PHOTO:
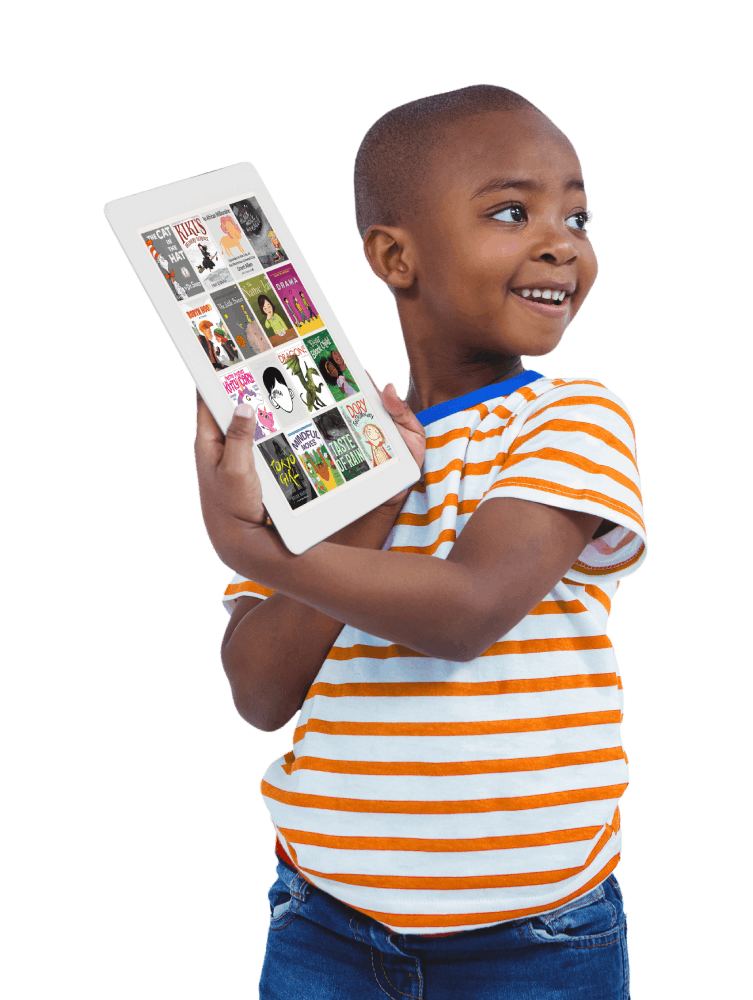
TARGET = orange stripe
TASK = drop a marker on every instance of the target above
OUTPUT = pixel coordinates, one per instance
(558, 608)
(435, 846)
(247, 587)
(463, 919)
(569, 458)
(604, 571)
(608, 404)
(432, 769)
(504, 413)
(547, 486)
(468, 506)
(594, 430)
(440, 440)
(457, 728)
(600, 596)
(501, 648)
(456, 689)
(420, 807)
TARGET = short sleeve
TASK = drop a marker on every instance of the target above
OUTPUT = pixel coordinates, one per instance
(239, 586)
(574, 447)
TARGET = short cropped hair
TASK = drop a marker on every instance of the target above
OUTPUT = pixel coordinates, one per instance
(394, 152)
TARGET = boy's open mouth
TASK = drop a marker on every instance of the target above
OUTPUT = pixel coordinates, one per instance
(547, 300)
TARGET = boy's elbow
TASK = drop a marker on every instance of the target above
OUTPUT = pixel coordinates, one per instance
(476, 642)
(458, 651)
(251, 719)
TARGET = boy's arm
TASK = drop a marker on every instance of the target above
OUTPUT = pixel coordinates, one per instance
(421, 604)
(273, 649)
(508, 558)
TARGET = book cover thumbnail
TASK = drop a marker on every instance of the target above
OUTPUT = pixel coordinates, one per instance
(312, 452)
(287, 471)
(202, 253)
(240, 321)
(212, 334)
(170, 258)
(331, 365)
(368, 431)
(258, 232)
(312, 390)
(333, 429)
(241, 386)
(296, 299)
(268, 310)
(233, 245)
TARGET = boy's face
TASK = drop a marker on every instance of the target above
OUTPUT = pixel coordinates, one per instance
(502, 212)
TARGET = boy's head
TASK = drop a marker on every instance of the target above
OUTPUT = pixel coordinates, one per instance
(472, 209)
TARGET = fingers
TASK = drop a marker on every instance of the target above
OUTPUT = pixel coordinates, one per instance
(209, 438)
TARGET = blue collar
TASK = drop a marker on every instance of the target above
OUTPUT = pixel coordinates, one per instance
(477, 396)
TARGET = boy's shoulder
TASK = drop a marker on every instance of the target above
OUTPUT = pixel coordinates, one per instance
(584, 390)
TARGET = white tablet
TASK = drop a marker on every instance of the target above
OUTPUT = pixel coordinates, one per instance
(251, 323)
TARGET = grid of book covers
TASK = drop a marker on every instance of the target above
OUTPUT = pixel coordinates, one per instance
(261, 332)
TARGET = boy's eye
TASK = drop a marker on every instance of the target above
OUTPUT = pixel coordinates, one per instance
(587, 217)
(578, 220)
(510, 208)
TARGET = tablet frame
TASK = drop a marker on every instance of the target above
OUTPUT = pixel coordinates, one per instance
(327, 513)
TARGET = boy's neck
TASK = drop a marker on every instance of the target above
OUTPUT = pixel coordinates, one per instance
(431, 385)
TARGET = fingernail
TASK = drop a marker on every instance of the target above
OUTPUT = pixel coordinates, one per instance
(244, 410)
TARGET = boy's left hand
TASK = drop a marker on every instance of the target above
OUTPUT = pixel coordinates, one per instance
(229, 486)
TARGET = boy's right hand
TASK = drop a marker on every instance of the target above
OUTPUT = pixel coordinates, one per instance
(411, 431)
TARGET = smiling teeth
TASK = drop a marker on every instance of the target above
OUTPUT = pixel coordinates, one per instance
(547, 293)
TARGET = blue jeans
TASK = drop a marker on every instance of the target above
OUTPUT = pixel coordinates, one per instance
(321, 949)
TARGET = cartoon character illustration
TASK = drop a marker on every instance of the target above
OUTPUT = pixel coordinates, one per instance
(299, 307)
(311, 395)
(273, 322)
(207, 261)
(319, 467)
(312, 311)
(231, 241)
(278, 247)
(218, 347)
(264, 418)
(280, 394)
(169, 275)
(334, 374)
(291, 309)
(375, 439)
(298, 322)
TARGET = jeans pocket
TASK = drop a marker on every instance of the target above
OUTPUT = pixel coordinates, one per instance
(283, 906)
(588, 919)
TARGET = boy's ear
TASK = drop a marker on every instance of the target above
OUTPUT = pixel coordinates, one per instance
(382, 247)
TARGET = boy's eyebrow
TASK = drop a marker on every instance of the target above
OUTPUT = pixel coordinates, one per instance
(502, 183)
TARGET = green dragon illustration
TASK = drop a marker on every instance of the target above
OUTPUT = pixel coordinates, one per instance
(311, 397)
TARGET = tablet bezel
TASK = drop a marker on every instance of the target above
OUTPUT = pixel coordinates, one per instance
(319, 518)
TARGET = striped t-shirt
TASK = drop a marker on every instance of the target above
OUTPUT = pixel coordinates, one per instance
(440, 796)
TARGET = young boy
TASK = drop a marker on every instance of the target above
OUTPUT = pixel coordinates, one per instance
(448, 818)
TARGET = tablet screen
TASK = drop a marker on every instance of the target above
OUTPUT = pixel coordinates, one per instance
(263, 337)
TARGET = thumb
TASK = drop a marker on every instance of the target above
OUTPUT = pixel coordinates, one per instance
(240, 429)
(391, 394)
(243, 420)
